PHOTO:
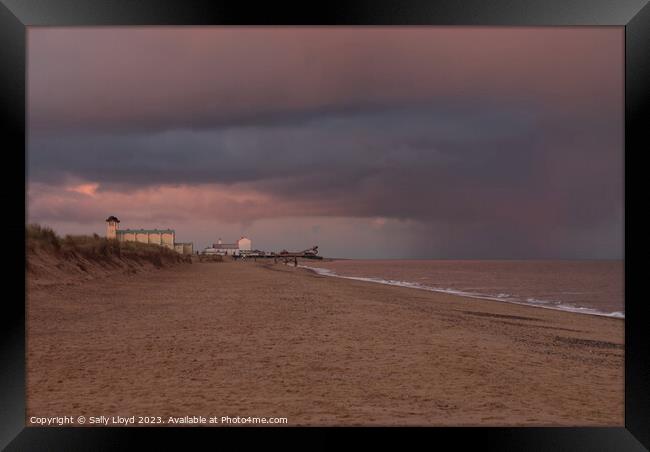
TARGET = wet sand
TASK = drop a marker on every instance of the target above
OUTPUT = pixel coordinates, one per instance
(264, 340)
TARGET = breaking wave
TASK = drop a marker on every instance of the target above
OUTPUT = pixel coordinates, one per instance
(504, 297)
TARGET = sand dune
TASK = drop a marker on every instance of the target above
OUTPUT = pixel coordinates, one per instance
(258, 339)
(55, 261)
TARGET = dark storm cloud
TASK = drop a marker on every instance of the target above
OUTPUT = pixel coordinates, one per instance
(336, 152)
(420, 163)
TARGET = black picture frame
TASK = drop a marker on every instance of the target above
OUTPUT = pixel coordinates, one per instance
(16, 15)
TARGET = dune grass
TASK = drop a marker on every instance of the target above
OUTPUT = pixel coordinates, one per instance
(96, 248)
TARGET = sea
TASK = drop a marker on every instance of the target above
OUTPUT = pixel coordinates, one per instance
(587, 287)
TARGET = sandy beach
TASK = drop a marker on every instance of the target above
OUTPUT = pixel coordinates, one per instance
(270, 340)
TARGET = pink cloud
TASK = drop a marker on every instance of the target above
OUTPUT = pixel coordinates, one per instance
(85, 203)
(84, 189)
(163, 76)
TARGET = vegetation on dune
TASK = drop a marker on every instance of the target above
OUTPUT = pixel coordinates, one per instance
(96, 248)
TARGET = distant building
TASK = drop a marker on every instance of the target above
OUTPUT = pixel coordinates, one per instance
(161, 237)
(184, 248)
(242, 246)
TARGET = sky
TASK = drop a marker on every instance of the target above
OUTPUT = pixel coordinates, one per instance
(370, 142)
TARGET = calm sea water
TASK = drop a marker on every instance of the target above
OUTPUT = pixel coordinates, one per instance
(589, 287)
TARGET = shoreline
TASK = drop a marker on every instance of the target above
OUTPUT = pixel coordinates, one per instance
(257, 339)
(411, 285)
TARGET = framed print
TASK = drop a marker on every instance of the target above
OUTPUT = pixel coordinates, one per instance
(402, 218)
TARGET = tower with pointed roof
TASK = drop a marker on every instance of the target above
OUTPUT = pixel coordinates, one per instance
(112, 225)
